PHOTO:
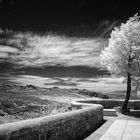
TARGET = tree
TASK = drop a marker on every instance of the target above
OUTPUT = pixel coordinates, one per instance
(122, 56)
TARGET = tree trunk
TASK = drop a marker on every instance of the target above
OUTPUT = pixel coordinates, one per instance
(124, 107)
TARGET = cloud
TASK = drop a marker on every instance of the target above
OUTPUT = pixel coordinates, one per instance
(34, 50)
(8, 49)
(7, 52)
(34, 80)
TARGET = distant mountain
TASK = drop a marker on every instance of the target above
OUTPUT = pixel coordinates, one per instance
(52, 71)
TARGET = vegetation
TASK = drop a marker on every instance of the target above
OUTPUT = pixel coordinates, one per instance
(14, 110)
(122, 56)
(25, 102)
(93, 94)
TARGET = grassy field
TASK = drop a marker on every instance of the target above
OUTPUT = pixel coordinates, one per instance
(26, 102)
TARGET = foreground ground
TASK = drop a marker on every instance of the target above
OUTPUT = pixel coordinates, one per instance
(133, 116)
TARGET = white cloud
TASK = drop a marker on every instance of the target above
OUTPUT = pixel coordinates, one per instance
(8, 49)
(34, 80)
(3, 55)
(53, 50)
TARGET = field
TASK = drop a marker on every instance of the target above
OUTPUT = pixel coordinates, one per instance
(26, 102)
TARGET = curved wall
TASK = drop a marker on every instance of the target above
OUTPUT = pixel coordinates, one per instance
(66, 126)
(107, 103)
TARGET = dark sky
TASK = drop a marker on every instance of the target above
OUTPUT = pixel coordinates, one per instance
(40, 15)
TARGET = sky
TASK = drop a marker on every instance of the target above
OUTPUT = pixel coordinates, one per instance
(52, 32)
(57, 38)
(55, 14)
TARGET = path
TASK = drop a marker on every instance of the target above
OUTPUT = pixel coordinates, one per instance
(123, 130)
(122, 127)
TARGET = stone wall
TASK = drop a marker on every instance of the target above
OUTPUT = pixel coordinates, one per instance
(107, 103)
(67, 126)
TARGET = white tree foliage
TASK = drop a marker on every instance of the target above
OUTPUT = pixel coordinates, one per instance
(123, 52)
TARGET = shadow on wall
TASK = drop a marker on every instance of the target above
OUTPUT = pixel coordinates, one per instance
(66, 126)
